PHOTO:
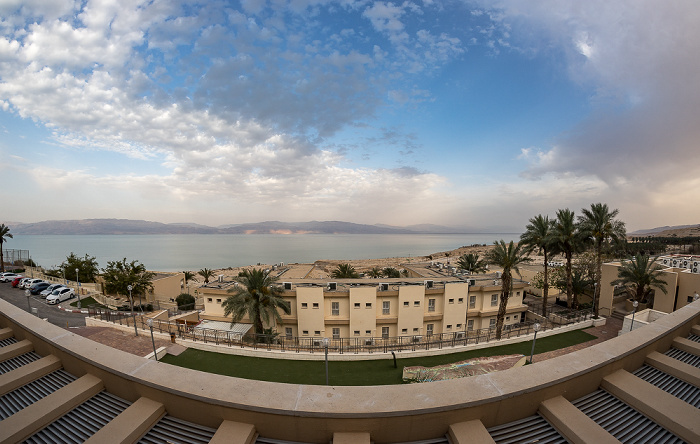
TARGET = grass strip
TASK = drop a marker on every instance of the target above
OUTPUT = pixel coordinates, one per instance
(84, 302)
(371, 372)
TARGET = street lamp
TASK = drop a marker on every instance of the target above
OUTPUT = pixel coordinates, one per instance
(595, 294)
(535, 327)
(150, 325)
(27, 293)
(133, 316)
(325, 345)
(77, 279)
(635, 304)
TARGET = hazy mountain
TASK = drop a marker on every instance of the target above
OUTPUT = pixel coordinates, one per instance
(677, 230)
(127, 226)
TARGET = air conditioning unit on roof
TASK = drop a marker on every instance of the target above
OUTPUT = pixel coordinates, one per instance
(428, 284)
(383, 287)
(332, 286)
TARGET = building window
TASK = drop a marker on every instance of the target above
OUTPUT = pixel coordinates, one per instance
(305, 332)
(428, 329)
(431, 304)
(317, 332)
(492, 323)
(357, 305)
(208, 299)
(472, 301)
(507, 318)
(368, 332)
(459, 325)
(517, 294)
(385, 307)
(460, 300)
(288, 332)
(336, 333)
(416, 303)
(405, 303)
(385, 332)
(368, 305)
(218, 301)
(356, 332)
(315, 305)
(470, 325)
(415, 330)
(304, 305)
(494, 300)
(335, 308)
(451, 301)
(404, 331)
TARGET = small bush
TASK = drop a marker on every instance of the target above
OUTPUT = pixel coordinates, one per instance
(185, 301)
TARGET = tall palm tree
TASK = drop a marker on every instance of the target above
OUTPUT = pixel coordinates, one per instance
(537, 238)
(345, 271)
(639, 276)
(565, 239)
(375, 272)
(599, 224)
(206, 273)
(471, 263)
(508, 257)
(391, 272)
(255, 296)
(4, 235)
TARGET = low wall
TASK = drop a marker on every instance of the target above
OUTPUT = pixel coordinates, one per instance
(313, 413)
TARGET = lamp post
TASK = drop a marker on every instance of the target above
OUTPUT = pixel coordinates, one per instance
(325, 345)
(77, 279)
(133, 316)
(595, 294)
(150, 325)
(535, 327)
(28, 294)
(635, 304)
(696, 296)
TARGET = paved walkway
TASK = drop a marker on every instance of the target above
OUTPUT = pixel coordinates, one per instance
(603, 333)
(140, 346)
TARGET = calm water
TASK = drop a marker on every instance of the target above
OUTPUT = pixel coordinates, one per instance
(194, 252)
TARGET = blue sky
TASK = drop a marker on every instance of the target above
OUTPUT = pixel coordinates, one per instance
(477, 114)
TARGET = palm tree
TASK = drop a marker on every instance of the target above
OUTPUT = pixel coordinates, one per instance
(537, 237)
(599, 224)
(471, 263)
(344, 271)
(206, 274)
(639, 276)
(391, 272)
(375, 272)
(565, 239)
(4, 235)
(255, 295)
(508, 257)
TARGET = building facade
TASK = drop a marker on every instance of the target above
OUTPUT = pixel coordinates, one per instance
(352, 308)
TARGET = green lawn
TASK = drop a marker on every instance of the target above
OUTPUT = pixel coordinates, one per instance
(85, 302)
(375, 372)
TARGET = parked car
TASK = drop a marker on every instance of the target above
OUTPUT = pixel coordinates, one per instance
(17, 280)
(22, 282)
(50, 289)
(7, 276)
(29, 282)
(60, 295)
(39, 287)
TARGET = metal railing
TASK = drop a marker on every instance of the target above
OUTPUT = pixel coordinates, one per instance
(354, 345)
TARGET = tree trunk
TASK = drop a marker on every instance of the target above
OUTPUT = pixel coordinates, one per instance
(545, 288)
(571, 300)
(505, 295)
(598, 278)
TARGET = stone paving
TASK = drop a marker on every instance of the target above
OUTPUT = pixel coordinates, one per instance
(603, 333)
(121, 340)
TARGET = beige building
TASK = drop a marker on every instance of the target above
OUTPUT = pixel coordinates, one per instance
(363, 308)
(680, 272)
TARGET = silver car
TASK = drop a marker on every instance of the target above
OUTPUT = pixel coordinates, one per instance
(50, 289)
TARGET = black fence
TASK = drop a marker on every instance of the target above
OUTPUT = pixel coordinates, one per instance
(318, 344)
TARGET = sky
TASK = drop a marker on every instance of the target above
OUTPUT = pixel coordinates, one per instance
(474, 114)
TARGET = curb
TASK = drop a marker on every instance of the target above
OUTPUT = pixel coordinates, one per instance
(71, 310)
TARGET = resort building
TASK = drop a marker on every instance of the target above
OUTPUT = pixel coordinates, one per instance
(383, 308)
(680, 272)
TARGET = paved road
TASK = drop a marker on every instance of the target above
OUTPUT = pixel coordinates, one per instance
(57, 317)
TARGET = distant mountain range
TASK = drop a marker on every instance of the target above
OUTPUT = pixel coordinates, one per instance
(127, 226)
(667, 231)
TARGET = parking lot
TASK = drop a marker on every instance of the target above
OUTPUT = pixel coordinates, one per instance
(17, 296)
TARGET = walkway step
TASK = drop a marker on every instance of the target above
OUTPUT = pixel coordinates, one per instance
(27, 373)
(573, 424)
(22, 424)
(16, 349)
(130, 424)
(668, 411)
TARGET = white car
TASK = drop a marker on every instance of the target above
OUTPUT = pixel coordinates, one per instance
(60, 295)
(50, 289)
(8, 276)
(29, 282)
